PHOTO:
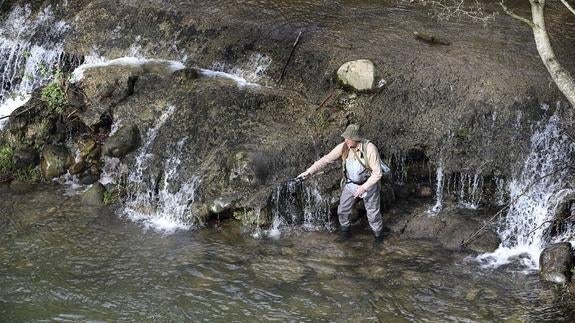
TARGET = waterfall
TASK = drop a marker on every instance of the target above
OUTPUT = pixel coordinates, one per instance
(295, 204)
(156, 202)
(439, 190)
(537, 190)
(31, 51)
(252, 71)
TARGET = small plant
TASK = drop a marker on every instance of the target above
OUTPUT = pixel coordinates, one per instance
(112, 196)
(6, 165)
(54, 94)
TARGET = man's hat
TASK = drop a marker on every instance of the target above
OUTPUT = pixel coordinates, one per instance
(352, 132)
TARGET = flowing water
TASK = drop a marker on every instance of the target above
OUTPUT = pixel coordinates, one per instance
(61, 261)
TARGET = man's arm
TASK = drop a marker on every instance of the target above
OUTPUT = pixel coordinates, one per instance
(331, 157)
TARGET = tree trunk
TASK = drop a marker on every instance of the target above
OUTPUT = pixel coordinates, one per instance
(560, 76)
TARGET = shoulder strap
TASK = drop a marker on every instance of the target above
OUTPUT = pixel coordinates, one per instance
(364, 144)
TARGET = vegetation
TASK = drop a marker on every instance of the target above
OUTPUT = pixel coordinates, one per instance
(30, 174)
(54, 94)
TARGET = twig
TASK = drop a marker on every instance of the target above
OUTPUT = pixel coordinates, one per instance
(289, 57)
(325, 100)
(16, 115)
(515, 16)
(475, 235)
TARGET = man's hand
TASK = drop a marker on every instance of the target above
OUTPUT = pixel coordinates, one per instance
(359, 192)
(303, 175)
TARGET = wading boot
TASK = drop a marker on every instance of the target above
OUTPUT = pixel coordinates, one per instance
(344, 234)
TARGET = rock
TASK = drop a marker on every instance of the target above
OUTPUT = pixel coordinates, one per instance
(459, 228)
(424, 191)
(556, 262)
(359, 75)
(200, 210)
(429, 38)
(25, 158)
(89, 176)
(106, 86)
(77, 168)
(86, 147)
(55, 161)
(125, 140)
(257, 217)
(186, 74)
(94, 196)
(424, 226)
(486, 241)
(222, 204)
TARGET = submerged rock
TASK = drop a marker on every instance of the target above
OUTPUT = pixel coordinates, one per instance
(556, 263)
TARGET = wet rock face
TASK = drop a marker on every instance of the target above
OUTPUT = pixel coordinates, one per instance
(556, 262)
(25, 158)
(55, 161)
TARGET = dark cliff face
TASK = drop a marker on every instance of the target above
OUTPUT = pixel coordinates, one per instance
(462, 103)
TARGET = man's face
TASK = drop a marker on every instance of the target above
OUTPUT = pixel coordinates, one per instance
(351, 143)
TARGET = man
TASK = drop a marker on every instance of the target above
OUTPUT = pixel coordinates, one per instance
(361, 179)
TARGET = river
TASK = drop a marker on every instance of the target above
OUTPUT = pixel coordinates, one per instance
(60, 261)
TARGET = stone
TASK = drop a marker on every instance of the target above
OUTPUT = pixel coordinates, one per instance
(25, 158)
(77, 168)
(89, 176)
(556, 262)
(94, 196)
(186, 74)
(125, 140)
(424, 191)
(359, 75)
(86, 147)
(55, 161)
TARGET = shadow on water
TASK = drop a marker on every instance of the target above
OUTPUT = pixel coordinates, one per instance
(62, 261)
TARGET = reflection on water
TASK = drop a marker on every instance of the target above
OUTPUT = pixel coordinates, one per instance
(59, 261)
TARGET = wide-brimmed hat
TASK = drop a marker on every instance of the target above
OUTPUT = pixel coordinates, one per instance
(352, 132)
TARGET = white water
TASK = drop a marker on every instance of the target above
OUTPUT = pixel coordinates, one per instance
(251, 72)
(27, 62)
(162, 209)
(536, 196)
(170, 66)
(439, 190)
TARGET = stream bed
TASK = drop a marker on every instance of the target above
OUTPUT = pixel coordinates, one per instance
(61, 261)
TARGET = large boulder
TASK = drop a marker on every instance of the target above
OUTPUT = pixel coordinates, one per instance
(125, 140)
(106, 86)
(360, 75)
(556, 262)
(55, 161)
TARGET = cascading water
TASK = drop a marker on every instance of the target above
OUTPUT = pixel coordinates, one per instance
(535, 193)
(157, 205)
(252, 71)
(296, 204)
(31, 51)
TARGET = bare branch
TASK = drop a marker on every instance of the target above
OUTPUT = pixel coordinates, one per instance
(515, 16)
(568, 6)
(449, 9)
